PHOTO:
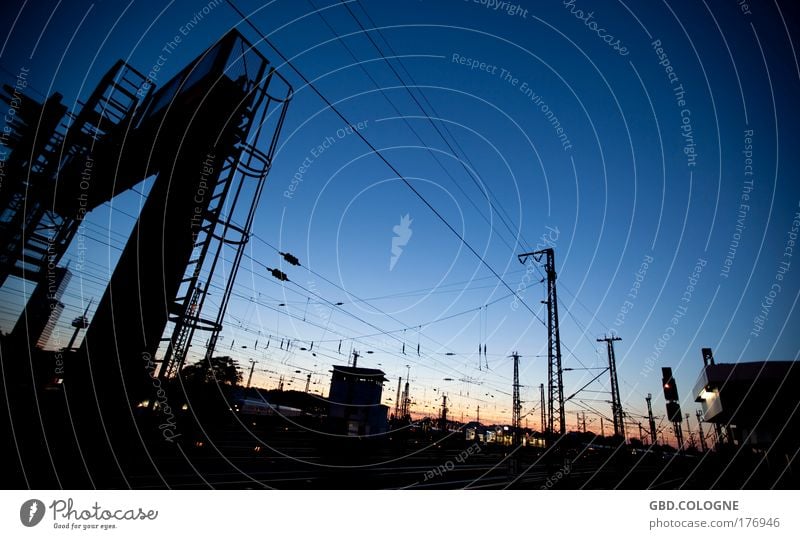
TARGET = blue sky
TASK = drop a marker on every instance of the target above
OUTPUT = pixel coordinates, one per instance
(622, 193)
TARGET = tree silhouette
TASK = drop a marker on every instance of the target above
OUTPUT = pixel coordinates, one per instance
(222, 370)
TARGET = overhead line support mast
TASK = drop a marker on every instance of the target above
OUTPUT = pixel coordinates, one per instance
(555, 382)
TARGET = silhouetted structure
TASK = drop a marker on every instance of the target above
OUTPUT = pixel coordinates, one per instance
(516, 405)
(543, 410)
(555, 382)
(355, 401)
(43, 309)
(701, 434)
(616, 404)
(443, 415)
(206, 138)
(754, 403)
(673, 404)
(651, 422)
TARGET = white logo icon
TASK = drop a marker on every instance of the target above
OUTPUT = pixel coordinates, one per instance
(31, 513)
(402, 235)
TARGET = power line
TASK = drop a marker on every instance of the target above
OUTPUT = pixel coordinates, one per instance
(378, 153)
(405, 326)
(472, 170)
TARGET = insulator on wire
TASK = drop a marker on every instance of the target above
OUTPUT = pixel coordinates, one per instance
(278, 274)
(290, 258)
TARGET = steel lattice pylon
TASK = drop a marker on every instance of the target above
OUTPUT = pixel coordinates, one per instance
(616, 404)
(517, 404)
(555, 382)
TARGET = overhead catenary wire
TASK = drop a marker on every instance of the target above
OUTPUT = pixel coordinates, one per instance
(471, 171)
(246, 19)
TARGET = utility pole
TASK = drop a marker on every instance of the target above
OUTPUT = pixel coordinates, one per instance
(252, 367)
(583, 417)
(616, 405)
(406, 406)
(355, 359)
(692, 443)
(676, 428)
(673, 404)
(543, 408)
(478, 417)
(650, 419)
(516, 406)
(397, 400)
(555, 382)
(81, 322)
(641, 433)
(602, 428)
(308, 382)
(443, 420)
(703, 445)
(406, 400)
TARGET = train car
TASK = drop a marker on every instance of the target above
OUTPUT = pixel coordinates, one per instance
(257, 407)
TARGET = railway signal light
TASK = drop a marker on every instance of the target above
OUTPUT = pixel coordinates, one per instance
(670, 387)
